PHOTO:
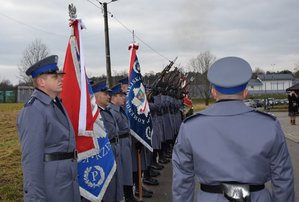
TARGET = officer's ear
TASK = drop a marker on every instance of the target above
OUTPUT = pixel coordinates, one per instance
(245, 94)
(41, 80)
(214, 93)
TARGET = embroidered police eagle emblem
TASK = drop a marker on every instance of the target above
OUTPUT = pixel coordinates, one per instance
(140, 101)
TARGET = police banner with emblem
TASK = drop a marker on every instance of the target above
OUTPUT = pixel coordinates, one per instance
(96, 164)
(137, 107)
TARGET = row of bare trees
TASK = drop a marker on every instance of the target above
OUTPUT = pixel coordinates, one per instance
(199, 64)
(38, 50)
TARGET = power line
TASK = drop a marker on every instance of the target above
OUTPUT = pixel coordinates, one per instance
(95, 5)
(146, 44)
(131, 32)
(58, 34)
(30, 26)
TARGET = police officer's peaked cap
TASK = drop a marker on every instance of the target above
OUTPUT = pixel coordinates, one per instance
(116, 89)
(47, 65)
(91, 81)
(124, 80)
(230, 75)
(100, 86)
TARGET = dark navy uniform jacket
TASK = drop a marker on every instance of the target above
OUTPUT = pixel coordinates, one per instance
(231, 142)
(44, 128)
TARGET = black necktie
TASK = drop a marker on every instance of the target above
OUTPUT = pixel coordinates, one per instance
(58, 104)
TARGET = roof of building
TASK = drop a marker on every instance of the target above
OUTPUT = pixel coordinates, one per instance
(255, 82)
(267, 77)
(294, 87)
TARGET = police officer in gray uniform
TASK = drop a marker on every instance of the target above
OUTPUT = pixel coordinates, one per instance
(47, 139)
(118, 100)
(232, 149)
(114, 191)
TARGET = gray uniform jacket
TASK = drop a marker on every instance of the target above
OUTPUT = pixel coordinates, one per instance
(125, 143)
(156, 136)
(43, 128)
(114, 191)
(158, 103)
(167, 125)
(231, 142)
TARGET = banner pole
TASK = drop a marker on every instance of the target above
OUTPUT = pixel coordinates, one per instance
(139, 176)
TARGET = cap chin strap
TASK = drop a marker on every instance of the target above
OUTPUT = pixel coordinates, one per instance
(230, 91)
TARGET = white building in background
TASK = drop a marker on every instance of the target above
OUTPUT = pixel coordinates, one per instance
(271, 83)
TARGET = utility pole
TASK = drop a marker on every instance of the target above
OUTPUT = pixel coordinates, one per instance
(107, 46)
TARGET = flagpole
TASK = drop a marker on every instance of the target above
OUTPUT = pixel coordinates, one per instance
(139, 175)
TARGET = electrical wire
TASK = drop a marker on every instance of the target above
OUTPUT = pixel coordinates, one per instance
(111, 15)
(131, 32)
(95, 5)
(146, 44)
(30, 26)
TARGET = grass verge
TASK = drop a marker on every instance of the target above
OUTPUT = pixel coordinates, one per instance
(11, 179)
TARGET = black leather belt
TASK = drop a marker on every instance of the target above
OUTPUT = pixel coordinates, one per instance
(114, 140)
(218, 189)
(61, 156)
(125, 135)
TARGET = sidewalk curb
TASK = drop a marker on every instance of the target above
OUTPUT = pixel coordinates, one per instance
(291, 131)
(292, 137)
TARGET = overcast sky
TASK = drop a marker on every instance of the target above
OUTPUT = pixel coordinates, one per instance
(265, 33)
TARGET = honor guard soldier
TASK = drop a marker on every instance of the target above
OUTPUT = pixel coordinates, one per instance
(232, 149)
(146, 193)
(115, 107)
(114, 191)
(47, 139)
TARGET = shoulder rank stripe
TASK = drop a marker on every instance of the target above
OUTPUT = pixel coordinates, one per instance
(30, 102)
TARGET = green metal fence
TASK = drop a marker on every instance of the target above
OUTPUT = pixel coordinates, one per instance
(8, 96)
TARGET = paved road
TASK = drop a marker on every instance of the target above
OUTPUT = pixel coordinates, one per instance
(162, 193)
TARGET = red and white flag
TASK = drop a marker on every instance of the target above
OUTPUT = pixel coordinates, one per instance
(96, 164)
(81, 107)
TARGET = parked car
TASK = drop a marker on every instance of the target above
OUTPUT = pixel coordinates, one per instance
(259, 102)
(270, 101)
(250, 103)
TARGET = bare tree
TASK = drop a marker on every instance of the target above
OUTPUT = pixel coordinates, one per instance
(201, 64)
(33, 53)
(257, 71)
(296, 70)
(5, 84)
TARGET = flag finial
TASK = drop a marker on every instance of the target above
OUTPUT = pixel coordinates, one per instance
(72, 11)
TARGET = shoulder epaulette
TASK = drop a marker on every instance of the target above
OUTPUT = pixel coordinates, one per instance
(191, 117)
(266, 114)
(30, 102)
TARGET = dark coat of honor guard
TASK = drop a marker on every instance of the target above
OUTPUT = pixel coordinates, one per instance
(167, 130)
(114, 191)
(115, 107)
(178, 116)
(157, 130)
(232, 149)
(47, 139)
